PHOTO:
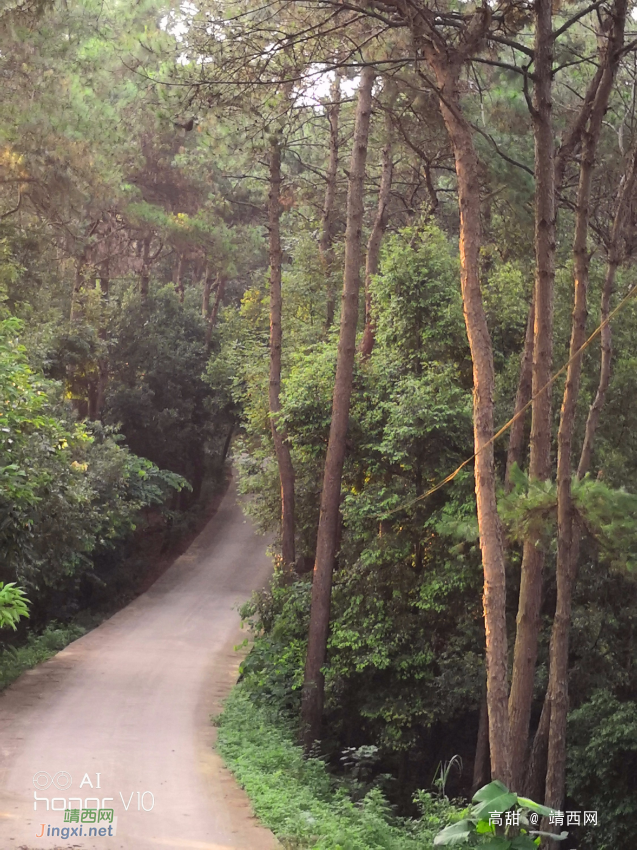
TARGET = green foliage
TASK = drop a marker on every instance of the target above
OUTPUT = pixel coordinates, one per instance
(297, 798)
(485, 823)
(67, 488)
(602, 769)
(37, 648)
(157, 394)
(13, 605)
(607, 515)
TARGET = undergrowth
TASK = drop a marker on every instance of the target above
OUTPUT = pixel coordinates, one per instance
(297, 798)
(15, 660)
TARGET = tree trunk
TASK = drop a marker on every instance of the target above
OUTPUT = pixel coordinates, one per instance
(102, 361)
(313, 685)
(207, 289)
(179, 280)
(376, 237)
(612, 264)
(281, 447)
(481, 763)
(491, 545)
(530, 598)
(144, 281)
(566, 552)
(536, 774)
(515, 451)
(327, 225)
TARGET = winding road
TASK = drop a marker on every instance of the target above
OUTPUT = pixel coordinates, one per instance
(131, 701)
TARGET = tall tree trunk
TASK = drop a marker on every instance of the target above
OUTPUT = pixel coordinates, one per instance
(179, 279)
(530, 598)
(376, 236)
(327, 224)
(144, 281)
(281, 447)
(612, 264)
(313, 685)
(207, 289)
(491, 545)
(102, 361)
(515, 450)
(566, 552)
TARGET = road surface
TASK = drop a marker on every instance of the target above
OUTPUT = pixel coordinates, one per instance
(131, 701)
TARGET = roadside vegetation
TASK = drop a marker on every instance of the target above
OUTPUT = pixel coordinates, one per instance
(304, 804)
(382, 254)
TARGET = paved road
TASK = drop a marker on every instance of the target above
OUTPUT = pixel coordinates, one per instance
(131, 701)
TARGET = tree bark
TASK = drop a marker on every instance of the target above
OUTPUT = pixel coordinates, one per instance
(481, 761)
(313, 685)
(281, 447)
(483, 390)
(530, 598)
(102, 361)
(179, 281)
(376, 237)
(612, 264)
(207, 289)
(327, 223)
(491, 545)
(447, 62)
(536, 774)
(566, 552)
(144, 281)
(515, 450)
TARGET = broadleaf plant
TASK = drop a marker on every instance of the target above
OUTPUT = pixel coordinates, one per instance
(480, 827)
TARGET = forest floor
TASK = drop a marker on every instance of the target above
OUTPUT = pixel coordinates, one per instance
(131, 702)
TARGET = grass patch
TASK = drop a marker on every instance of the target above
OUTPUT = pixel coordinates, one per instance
(15, 660)
(303, 805)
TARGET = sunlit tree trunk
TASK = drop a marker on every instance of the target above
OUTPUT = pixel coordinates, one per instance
(447, 62)
(313, 685)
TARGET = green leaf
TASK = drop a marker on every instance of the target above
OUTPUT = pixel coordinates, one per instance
(525, 803)
(498, 804)
(490, 792)
(455, 833)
